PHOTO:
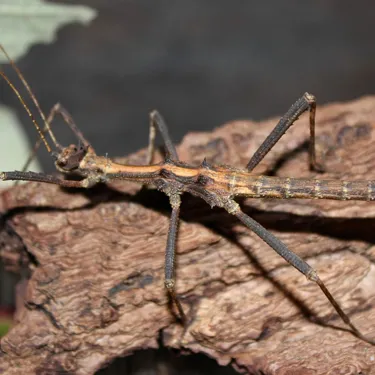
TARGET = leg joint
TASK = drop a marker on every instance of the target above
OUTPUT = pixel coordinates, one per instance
(169, 284)
(310, 98)
(312, 275)
(232, 207)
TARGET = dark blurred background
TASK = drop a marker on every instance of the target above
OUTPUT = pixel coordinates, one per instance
(201, 63)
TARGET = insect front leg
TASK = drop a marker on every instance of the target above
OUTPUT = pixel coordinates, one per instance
(157, 122)
(170, 252)
(68, 119)
(307, 101)
(43, 177)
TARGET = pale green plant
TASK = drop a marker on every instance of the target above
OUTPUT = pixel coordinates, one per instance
(22, 24)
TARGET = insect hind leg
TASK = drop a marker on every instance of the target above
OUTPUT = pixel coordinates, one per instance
(304, 103)
(298, 263)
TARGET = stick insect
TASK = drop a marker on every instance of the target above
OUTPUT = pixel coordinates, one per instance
(216, 185)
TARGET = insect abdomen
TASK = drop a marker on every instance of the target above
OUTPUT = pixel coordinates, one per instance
(276, 187)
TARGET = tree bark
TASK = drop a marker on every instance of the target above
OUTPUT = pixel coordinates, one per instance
(92, 263)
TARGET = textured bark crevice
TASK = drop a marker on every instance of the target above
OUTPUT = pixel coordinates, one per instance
(92, 263)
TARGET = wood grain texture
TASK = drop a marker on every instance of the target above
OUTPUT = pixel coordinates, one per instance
(92, 263)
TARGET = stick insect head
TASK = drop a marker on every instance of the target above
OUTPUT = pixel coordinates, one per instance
(69, 158)
(66, 158)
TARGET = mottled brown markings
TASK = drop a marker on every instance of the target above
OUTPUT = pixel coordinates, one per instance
(348, 134)
(241, 141)
(205, 180)
(345, 189)
(87, 310)
(214, 151)
(259, 185)
(47, 313)
(370, 190)
(363, 130)
(288, 185)
(205, 164)
(164, 172)
(57, 364)
(317, 189)
(52, 249)
(132, 282)
(46, 274)
(270, 327)
(299, 188)
(108, 313)
(232, 183)
(174, 177)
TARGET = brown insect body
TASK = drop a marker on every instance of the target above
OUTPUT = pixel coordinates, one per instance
(217, 185)
(226, 182)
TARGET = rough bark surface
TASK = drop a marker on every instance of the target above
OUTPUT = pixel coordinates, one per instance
(92, 263)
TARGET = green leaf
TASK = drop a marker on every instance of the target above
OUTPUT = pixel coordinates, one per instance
(14, 146)
(25, 22)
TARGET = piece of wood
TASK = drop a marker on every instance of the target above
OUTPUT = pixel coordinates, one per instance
(94, 260)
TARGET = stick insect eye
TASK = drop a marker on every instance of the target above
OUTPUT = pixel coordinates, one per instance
(55, 155)
(70, 158)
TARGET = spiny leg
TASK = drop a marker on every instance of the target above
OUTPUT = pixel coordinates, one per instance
(170, 254)
(296, 262)
(59, 109)
(307, 101)
(157, 122)
(43, 177)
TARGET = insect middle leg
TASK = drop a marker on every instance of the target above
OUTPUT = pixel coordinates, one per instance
(169, 282)
(307, 101)
(158, 123)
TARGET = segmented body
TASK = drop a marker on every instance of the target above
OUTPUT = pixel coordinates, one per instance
(217, 185)
(232, 182)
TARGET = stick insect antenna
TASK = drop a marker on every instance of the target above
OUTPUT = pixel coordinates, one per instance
(35, 101)
(27, 110)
